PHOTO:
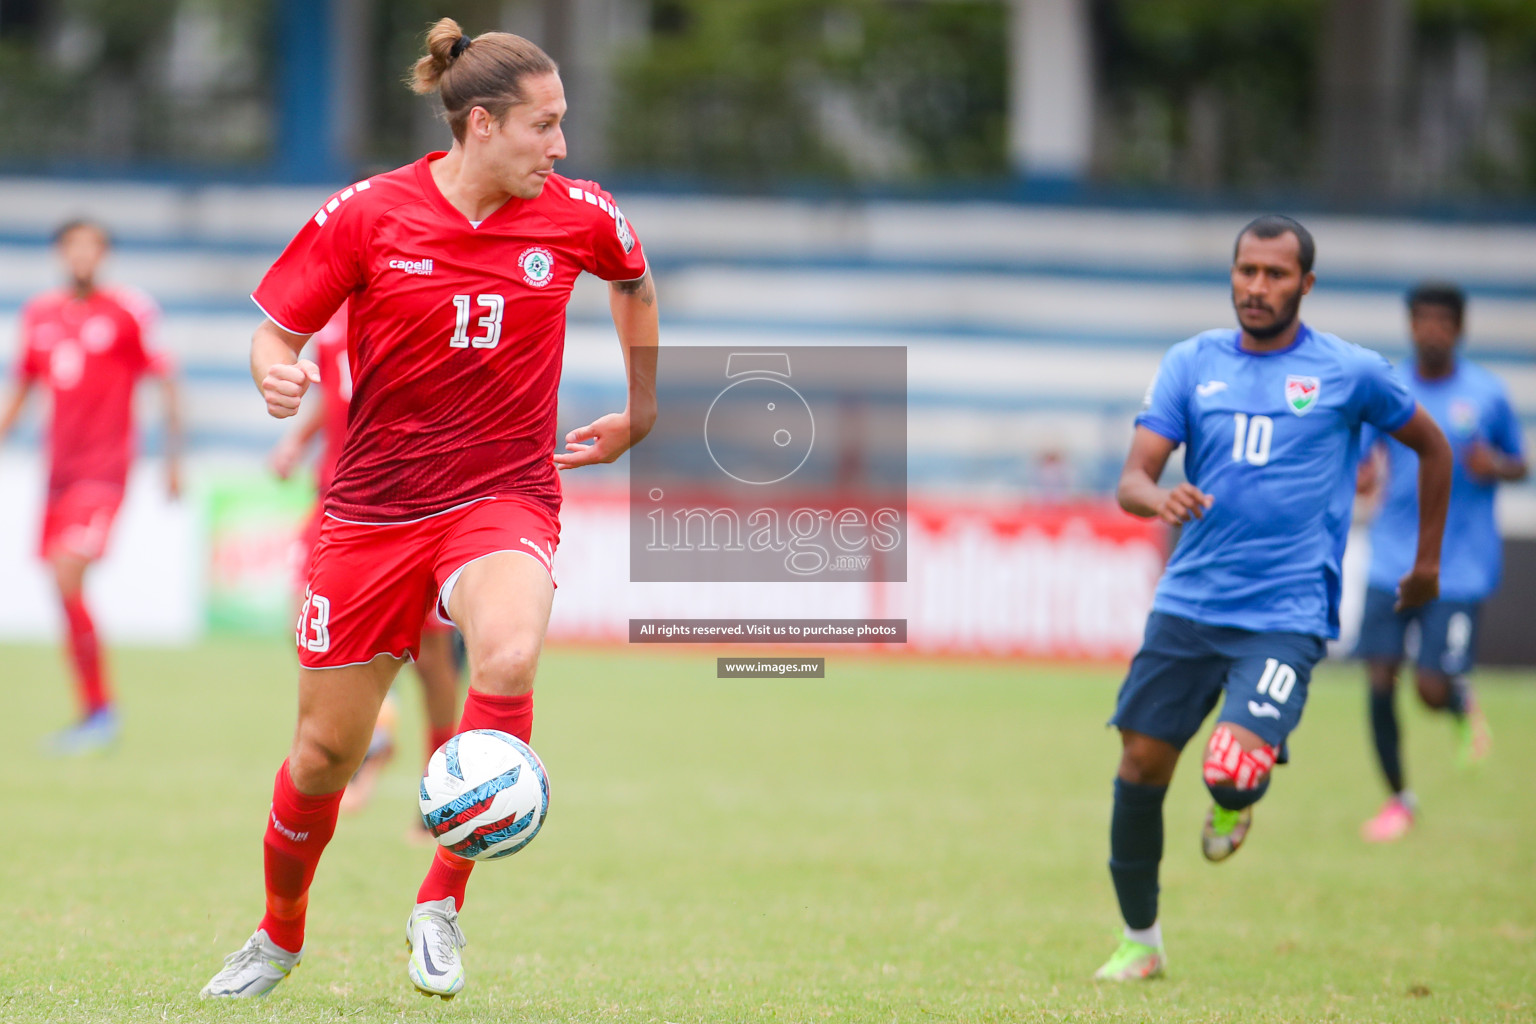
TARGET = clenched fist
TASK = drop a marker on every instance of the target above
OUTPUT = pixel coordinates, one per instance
(284, 385)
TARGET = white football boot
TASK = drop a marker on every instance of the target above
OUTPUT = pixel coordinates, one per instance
(253, 970)
(434, 938)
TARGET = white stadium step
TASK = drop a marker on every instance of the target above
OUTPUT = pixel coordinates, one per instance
(1036, 328)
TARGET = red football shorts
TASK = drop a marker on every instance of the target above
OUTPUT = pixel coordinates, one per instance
(302, 557)
(78, 519)
(372, 585)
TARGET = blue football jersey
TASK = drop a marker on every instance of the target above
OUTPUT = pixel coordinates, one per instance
(1274, 438)
(1470, 405)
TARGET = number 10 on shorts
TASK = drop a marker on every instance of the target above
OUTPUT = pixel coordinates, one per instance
(1278, 681)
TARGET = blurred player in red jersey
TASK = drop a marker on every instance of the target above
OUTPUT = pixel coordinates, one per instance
(88, 344)
(435, 662)
(458, 269)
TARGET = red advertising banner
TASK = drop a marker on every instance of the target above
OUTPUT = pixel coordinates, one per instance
(1052, 581)
(1069, 581)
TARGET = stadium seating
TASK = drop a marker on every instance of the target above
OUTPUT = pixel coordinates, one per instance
(1032, 330)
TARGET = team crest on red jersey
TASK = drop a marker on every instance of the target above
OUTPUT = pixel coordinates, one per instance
(1301, 393)
(538, 265)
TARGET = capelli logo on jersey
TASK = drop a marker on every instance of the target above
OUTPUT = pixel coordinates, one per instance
(422, 267)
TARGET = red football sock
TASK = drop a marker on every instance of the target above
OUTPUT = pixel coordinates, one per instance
(490, 711)
(448, 876)
(85, 653)
(437, 736)
(298, 827)
(449, 873)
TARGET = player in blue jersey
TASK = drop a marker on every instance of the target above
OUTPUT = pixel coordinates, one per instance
(1471, 406)
(1270, 417)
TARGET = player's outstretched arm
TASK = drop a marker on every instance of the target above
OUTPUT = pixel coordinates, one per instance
(1422, 584)
(637, 321)
(13, 406)
(1139, 493)
(279, 373)
(170, 403)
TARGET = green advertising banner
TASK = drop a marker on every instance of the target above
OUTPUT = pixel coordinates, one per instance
(254, 524)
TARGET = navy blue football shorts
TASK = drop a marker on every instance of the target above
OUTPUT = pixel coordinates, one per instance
(1185, 667)
(1447, 632)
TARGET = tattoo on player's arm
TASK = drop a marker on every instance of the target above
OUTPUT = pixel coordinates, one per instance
(640, 286)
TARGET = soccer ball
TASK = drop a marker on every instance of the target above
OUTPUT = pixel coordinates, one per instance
(484, 794)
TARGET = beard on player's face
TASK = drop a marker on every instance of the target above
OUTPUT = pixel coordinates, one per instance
(1436, 333)
(1280, 315)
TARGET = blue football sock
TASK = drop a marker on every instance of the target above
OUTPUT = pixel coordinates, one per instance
(1456, 699)
(1385, 733)
(1135, 849)
(1234, 799)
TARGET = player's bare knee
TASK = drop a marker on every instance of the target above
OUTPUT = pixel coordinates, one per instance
(68, 575)
(1142, 773)
(507, 669)
(1146, 761)
(320, 765)
(1434, 688)
(1382, 676)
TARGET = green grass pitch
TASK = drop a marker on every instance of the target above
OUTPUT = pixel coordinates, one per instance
(905, 840)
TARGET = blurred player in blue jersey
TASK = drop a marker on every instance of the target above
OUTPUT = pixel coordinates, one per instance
(1471, 406)
(1270, 417)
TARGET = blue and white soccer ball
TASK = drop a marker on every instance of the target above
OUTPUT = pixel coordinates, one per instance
(484, 794)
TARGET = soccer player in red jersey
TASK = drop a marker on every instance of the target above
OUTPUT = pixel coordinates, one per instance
(435, 661)
(88, 344)
(458, 269)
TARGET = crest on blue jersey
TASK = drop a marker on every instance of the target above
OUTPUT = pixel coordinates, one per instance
(1463, 417)
(1301, 393)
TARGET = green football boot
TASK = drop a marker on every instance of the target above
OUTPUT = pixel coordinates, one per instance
(1476, 739)
(1224, 832)
(1133, 961)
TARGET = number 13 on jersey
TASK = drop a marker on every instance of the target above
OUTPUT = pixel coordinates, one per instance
(491, 322)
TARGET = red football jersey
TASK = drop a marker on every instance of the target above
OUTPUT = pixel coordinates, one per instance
(89, 352)
(456, 333)
(336, 390)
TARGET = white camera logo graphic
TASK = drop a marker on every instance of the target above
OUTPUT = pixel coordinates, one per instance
(759, 430)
